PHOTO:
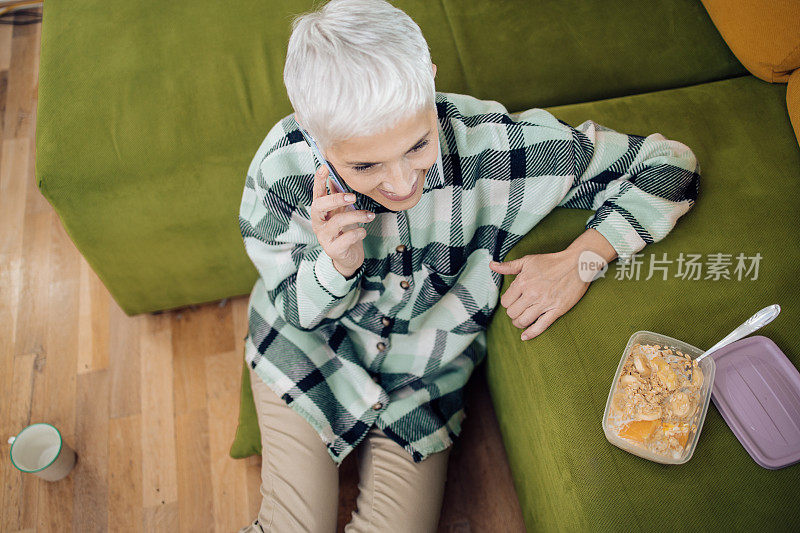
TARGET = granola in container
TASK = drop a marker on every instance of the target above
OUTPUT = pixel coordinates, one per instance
(654, 405)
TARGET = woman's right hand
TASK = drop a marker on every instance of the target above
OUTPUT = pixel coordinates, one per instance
(336, 226)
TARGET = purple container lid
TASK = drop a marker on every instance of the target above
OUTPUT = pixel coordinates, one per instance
(757, 391)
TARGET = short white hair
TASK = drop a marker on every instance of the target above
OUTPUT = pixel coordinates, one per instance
(356, 68)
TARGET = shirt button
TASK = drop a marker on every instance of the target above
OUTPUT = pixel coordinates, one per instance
(404, 284)
(377, 406)
(381, 346)
(386, 321)
(401, 248)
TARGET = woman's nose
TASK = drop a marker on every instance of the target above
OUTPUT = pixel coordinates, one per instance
(402, 180)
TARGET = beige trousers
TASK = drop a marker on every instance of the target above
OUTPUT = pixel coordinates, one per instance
(300, 482)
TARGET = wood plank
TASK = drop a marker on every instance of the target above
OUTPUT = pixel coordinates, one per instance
(33, 293)
(55, 499)
(33, 261)
(190, 343)
(125, 371)
(91, 444)
(195, 497)
(23, 82)
(7, 427)
(13, 192)
(159, 470)
(12, 205)
(3, 98)
(93, 321)
(62, 335)
(16, 485)
(125, 474)
(5, 46)
(188, 348)
(161, 518)
(228, 475)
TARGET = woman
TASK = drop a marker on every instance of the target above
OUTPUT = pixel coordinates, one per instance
(366, 323)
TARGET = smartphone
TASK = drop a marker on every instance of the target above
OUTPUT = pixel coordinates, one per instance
(335, 179)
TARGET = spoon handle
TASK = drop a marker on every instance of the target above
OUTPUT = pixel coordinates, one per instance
(757, 321)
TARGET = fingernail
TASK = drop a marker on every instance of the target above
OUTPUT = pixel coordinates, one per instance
(370, 215)
(524, 337)
(350, 197)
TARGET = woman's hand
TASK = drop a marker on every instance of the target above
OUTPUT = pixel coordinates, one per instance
(547, 285)
(336, 227)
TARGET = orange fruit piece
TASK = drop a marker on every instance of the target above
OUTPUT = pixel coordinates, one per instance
(639, 430)
(683, 438)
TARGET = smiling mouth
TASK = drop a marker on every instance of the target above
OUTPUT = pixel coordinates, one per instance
(394, 198)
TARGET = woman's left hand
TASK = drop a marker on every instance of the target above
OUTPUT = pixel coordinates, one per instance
(546, 286)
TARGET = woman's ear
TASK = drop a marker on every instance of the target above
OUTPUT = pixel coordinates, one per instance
(434, 69)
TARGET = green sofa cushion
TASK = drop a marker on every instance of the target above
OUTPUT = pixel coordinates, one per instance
(549, 393)
(150, 112)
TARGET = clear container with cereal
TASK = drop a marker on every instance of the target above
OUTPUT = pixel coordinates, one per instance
(653, 409)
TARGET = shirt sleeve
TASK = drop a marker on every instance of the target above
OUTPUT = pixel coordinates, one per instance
(298, 275)
(638, 186)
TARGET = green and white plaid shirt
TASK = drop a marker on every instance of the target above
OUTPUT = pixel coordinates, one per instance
(395, 344)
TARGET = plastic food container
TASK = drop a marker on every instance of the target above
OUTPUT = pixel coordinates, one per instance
(708, 367)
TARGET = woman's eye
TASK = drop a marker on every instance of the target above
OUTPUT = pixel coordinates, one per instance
(420, 146)
(364, 168)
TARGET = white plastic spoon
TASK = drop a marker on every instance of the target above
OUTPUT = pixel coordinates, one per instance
(757, 321)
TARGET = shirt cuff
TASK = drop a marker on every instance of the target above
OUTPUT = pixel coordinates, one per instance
(620, 233)
(330, 279)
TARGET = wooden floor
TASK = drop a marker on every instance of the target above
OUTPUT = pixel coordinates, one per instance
(149, 402)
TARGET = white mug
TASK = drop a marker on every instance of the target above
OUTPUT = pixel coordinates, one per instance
(39, 449)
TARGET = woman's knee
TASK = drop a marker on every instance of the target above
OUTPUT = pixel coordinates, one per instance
(395, 493)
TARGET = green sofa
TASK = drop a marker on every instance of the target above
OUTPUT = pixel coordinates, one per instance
(149, 114)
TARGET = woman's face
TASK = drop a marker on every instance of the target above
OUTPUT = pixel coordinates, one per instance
(390, 167)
